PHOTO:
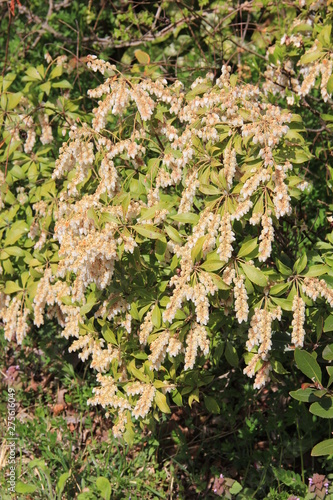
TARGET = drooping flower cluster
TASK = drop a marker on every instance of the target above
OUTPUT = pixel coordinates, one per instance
(14, 315)
(298, 332)
(241, 299)
(266, 237)
(313, 288)
(260, 332)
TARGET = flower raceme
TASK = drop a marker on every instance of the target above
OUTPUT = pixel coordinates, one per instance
(166, 222)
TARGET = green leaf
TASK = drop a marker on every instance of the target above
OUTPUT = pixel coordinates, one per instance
(287, 477)
(33, 74)
(310, 57)
(153, 165)
(104, 487)
(25, 488)
(218, 281)
(196, 252)
(12, 287)
(211, 405)
(156, 317)
(233, 80)
(329, 370)
(328, 325)
(173, 234)
(37, 462)
(212, 265)
(149, 231)
(106, 217)
(279, 288)
(235, 488)
(231, 355)
(7, 81)
(300, 264)
(15, 232)
(8, 267)
(325, 35)
(17, 172)
(285, 304)
(247, 248)
(327, 118)
(160, 249)
(84, 496)
(137, 373)
(194, 396)
(177, 398)
(330, 85)
(286, 271)
(13, 100)
(91, 302)
(161, 402)
(142, 57)
(323, 408)
(254, 274)
(63, 84)
(109, 335)
(201, 88)
(304, 395)
(317, 270)
(302, 27)
(41, 70)
(91, 214)
(209, 189)
(186, 218)
(278, 367)
(15, 251)
(129, 434)
(328, 351)
(61, 482)
(46, 87)
(294, 136)
(308, 365)
(134, 312)
(323, 448)
(56, 72)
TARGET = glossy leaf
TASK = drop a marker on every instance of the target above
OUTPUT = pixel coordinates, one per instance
(308, 365)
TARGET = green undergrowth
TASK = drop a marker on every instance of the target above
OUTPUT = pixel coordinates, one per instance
(255, 445)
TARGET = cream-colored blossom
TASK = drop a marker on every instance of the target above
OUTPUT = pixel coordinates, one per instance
(241, 298)
(146, 328)
(175, 346)
(281, 197)
(14, 315)
(230, 165)
(313, 288)
(298, 332)
(262, 376)
(226, 237)
(266, 238)
(145, 402)
(158, 349)
(195, 338)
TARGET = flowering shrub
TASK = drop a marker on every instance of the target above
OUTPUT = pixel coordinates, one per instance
(32, 119)
(160, 235)
(302, 58)
(171, 211)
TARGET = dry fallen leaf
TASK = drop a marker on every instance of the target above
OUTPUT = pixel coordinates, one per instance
(58, 408)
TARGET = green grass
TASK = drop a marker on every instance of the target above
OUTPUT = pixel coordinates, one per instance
(260, 442)
(60, 437)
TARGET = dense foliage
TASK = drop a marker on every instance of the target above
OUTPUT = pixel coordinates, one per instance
(175, 218)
